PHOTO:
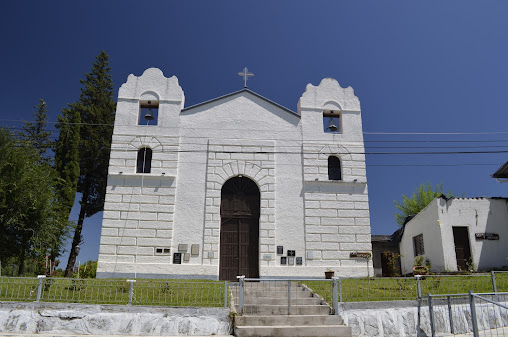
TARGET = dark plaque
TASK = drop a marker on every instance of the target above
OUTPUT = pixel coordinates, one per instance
(299, 261)
(280, 250)
(359, 255)
(291, 253)
(177, 258)
(283, 260)
(487, 236)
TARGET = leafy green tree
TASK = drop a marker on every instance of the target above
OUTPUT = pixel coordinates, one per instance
(97, 111)
(28, 220)
(35, 133)
(420, 198)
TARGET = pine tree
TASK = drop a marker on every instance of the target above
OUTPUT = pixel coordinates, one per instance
(97, 110)
(67, 167)
(35, 133)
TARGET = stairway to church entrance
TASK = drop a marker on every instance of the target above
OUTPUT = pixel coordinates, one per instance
(239, 232)
(283, 308)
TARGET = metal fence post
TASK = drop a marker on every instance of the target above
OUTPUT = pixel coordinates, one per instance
(289, 297)
(340, 290)
(40, 280)
(450, 315)
(431, 316)
(493, 276)
(418, 286)
(241, 279)
(335, 296)
(225, 294)
(473, 313)
(131, 291)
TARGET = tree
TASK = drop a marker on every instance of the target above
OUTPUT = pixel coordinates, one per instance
(421, 197)
(97, 111)
(67, 165)
(35, 133)
(28, 221)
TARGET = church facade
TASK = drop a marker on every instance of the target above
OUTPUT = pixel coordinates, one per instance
(238, 185)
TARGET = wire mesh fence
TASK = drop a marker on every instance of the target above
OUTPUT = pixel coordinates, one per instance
(456, 284)
(378, 289)
(94, 291)
(500, 280)
(490, 314)
(179, 293)
(18, 289)
(472, 314)
(218, 293)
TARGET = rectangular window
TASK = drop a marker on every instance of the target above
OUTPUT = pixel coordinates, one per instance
(148, 112)
(161, 251)
(418, 245)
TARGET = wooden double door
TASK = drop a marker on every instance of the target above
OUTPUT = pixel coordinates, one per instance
(239, 233)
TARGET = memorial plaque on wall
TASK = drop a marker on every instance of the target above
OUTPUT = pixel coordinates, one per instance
(283, 260)
(291, 253)
(291, 260)
(177, 258)
(299, 261)
(487, 236)
(280, 250)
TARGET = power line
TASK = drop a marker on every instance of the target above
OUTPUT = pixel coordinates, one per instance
(365, 132)
(294, 152)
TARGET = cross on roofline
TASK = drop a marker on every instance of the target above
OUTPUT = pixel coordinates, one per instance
(245, 74)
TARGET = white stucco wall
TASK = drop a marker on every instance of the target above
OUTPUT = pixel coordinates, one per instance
(424, 223)
(197, 149)
(436, 222)
(479, 215)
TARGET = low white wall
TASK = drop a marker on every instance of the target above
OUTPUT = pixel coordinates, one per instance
(400, 318)
(82, 319)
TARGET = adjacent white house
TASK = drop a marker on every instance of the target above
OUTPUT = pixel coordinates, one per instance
(457, 234)
(238, 185)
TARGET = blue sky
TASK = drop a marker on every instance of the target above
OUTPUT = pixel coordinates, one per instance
(417, 67)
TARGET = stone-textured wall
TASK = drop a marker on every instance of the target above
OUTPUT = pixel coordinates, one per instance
(77, 319)
(400, 318)
(197, 149)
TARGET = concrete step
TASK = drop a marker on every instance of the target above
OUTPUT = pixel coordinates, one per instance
(293, 331)
(281, 301)
(283, 310)
(293, 320)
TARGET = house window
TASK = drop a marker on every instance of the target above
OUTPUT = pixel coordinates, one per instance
(148, 112)
(418, 245)
(144, 163)
(334, 171)
(332, 121)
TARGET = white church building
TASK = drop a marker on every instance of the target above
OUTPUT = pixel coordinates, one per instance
(238, 185)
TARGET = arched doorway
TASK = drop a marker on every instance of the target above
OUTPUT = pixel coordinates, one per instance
(239, 231)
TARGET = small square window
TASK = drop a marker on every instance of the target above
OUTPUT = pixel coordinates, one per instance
(148, 112)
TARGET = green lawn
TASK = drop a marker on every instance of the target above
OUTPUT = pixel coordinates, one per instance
(199, 293)
(405, 288)
(204, 293)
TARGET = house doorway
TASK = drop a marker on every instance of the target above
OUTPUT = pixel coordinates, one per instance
(462, 248)
(239, 231)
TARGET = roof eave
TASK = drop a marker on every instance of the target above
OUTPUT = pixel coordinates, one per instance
(238, 92)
